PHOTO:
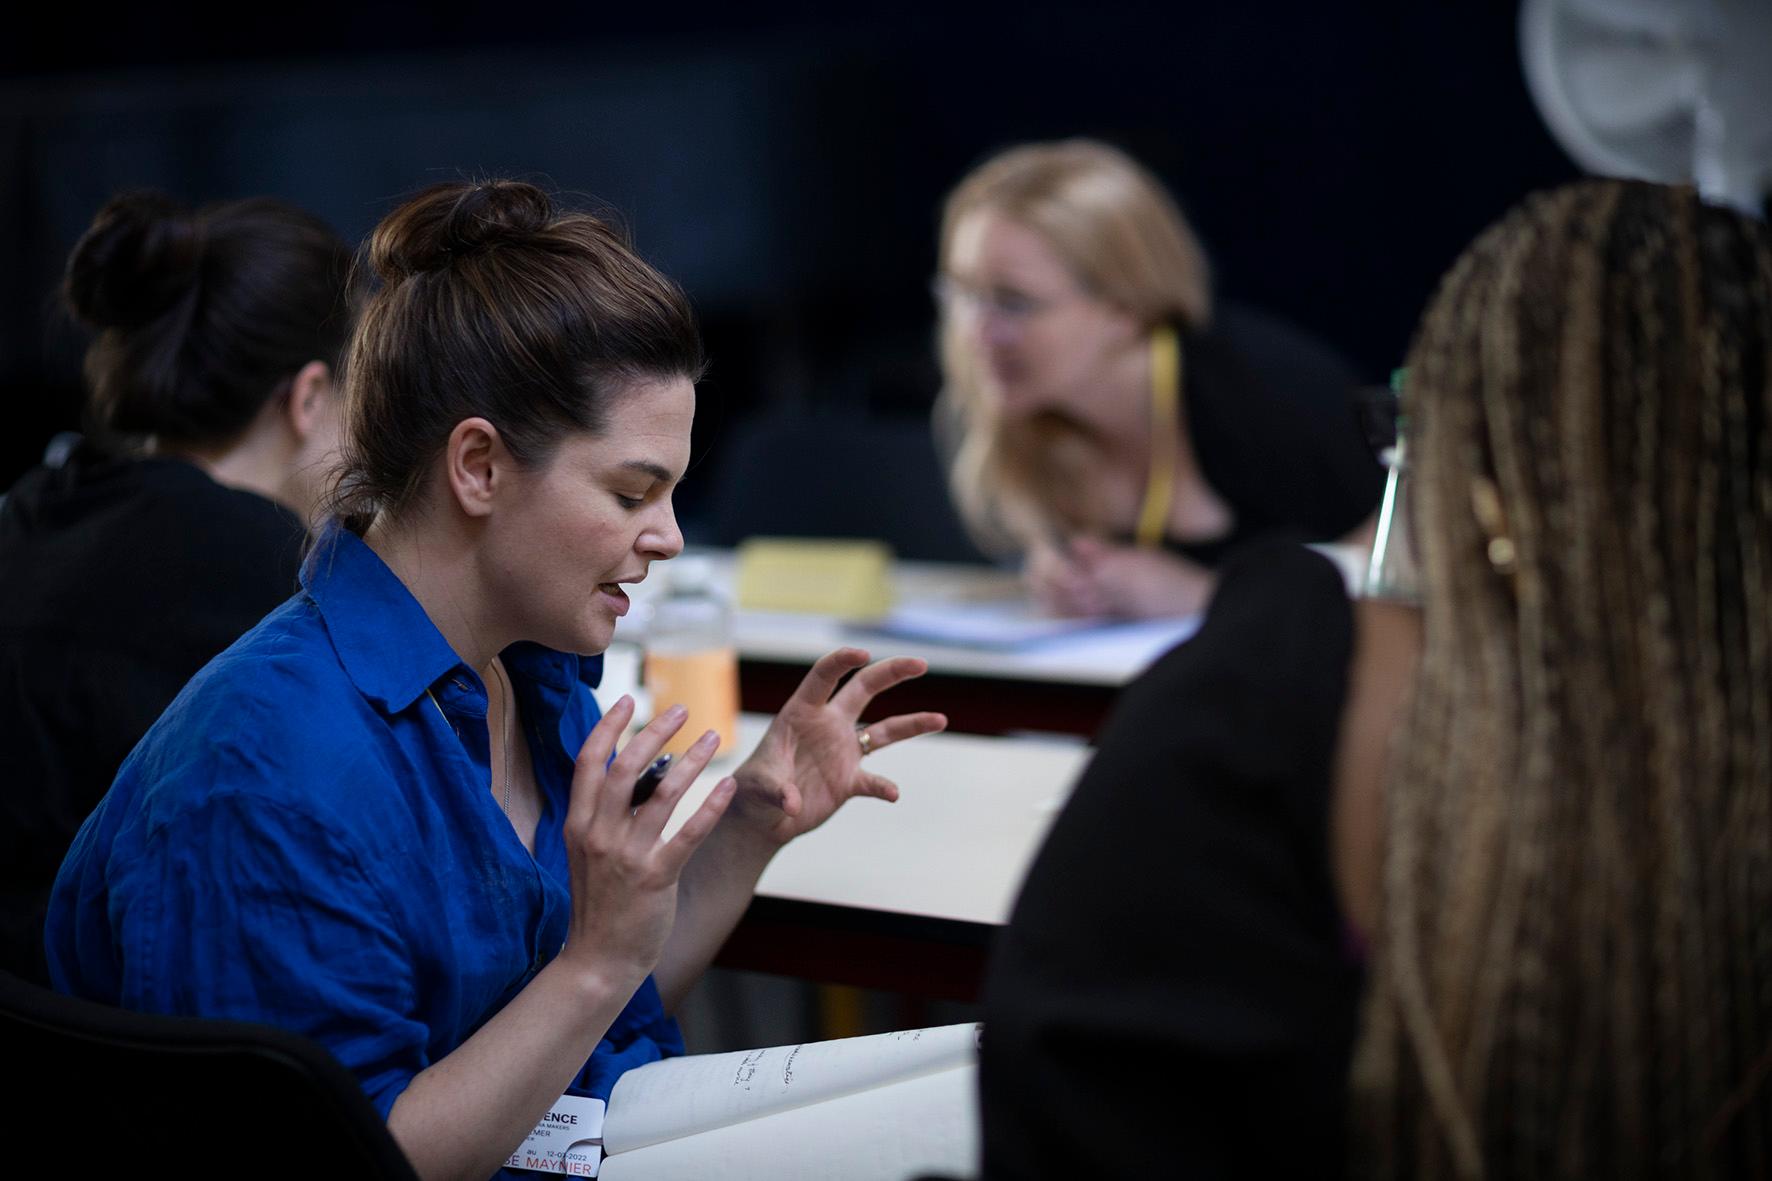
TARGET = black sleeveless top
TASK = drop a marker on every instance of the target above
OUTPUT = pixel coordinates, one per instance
(1174, 994)
(1272, 418)
(120, 577)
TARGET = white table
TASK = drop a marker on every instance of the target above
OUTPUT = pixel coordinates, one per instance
(1064, 684)
(906, 896)
(1107, 656)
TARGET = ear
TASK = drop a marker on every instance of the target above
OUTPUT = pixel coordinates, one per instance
(476, 465)
(311, 398)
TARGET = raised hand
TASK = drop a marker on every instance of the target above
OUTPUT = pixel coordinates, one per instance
(809, 762)
(624, 879)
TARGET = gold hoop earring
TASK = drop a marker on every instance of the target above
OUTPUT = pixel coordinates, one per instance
(1486, 504)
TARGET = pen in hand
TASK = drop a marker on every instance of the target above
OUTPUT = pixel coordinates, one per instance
(1060, 541)
(1059, 574)
(649, 780)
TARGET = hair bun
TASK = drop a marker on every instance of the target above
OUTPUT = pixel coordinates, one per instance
(448, 222)
(141, 255)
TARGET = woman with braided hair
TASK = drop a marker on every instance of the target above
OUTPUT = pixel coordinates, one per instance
(1572, 975)
(1535, 805)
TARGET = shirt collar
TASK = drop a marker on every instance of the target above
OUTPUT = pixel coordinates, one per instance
(553, 670)
(387, 643)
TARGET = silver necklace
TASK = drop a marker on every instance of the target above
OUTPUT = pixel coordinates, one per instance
(504, 690)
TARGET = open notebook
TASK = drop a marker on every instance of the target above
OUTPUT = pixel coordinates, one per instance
(880, 1108)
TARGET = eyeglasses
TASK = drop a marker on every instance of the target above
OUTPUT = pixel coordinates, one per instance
(1006, 303)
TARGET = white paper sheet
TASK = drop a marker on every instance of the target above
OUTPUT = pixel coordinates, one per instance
(683, 1096)
(924, 1124)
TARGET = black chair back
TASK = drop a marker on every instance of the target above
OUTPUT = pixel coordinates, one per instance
(99, 1089)
(838, 474)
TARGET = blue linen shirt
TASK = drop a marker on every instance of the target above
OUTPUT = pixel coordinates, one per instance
(306, 838)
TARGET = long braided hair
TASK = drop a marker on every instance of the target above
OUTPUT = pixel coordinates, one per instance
(1573, 974)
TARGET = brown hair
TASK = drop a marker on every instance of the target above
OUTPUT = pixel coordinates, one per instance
(203, 316)
(1124, 239)
(494, 304)
(1573, 971)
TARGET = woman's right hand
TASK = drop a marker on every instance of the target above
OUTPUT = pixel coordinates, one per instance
(1060, 585)
(624, 879)
(1094, 577)
(462, 1115)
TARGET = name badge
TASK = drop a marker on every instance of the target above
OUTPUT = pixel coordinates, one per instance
(569, 1140)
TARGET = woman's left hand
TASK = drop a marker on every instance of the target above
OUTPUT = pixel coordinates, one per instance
(809, 761)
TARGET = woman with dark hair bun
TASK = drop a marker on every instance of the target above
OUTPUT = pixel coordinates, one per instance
(389, 817)
(179, 522)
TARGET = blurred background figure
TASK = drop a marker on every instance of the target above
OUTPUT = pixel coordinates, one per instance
(179, 521)
(1111, 422)
(1541, 796)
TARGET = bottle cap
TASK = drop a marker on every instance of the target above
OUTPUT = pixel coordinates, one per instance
(689, 574)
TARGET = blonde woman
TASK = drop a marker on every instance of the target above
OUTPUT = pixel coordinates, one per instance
(1541, 797)
(1105, 423)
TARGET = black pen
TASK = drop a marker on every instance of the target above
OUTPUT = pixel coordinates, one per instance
(649, 780)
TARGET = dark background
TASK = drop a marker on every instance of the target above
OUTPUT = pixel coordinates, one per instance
(785, 161)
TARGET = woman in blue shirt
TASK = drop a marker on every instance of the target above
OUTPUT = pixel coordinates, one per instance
(388, 817)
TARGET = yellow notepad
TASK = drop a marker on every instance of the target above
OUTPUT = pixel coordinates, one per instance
(847, 579)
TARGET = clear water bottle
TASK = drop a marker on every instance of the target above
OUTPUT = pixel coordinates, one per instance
(1391, 574)
(690, 658)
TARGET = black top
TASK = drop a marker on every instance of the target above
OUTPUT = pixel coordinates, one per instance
(119, 579)
(1174, 995)
(1273, 420)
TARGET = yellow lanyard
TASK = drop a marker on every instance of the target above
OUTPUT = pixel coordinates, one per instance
(1159, 489)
